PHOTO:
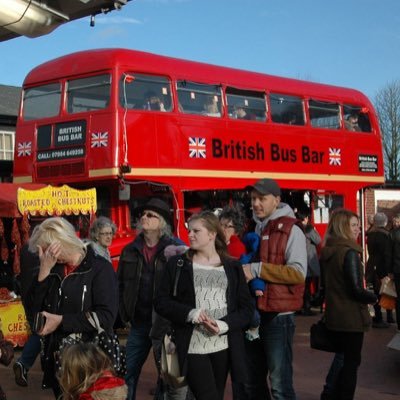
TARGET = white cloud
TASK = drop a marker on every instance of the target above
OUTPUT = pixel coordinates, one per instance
(106, 20)
(166, 1)
(109, 33)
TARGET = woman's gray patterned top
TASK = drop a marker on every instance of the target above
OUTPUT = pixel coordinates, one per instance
(210, 285)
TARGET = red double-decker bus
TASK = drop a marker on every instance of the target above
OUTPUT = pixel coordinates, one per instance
(135, 125)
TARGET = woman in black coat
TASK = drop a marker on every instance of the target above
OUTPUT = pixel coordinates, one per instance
(210, 311)
(71, 282)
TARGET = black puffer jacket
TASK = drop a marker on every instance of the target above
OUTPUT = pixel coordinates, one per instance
(91, 287)
(345, 296)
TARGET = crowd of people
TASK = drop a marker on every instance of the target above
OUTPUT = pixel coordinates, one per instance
(228, 298)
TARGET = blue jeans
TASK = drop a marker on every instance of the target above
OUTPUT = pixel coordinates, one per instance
(138, 346)
(30, 352)
(272, 355)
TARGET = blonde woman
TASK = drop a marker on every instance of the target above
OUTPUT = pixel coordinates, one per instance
(210, 311)
(87, 373)
(72, 281)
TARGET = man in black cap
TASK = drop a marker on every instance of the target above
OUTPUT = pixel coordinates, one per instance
(283, 266)
(140, 271)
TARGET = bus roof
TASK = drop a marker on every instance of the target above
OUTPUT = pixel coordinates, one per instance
(89, 61)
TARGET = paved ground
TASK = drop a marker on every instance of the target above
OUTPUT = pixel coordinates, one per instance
(379, 374)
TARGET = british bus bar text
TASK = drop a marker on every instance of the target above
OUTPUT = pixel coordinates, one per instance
(240, 150)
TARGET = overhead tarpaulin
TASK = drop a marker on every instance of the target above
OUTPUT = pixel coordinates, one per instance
(8, 198)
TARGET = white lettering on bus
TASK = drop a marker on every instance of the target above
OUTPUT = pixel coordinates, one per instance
(70, 129)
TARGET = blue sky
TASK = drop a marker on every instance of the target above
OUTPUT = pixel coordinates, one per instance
(352, 43)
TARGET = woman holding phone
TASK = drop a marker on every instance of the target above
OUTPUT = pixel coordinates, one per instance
(71, 282)
(210, 311)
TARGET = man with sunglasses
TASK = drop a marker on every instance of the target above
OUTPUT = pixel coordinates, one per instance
(140, 270)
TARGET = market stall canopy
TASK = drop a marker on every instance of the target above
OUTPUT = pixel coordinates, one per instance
(8, 198)
(45, 200)
(56, 201)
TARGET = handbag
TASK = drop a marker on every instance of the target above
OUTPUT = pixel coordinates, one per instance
(110, 345)
(72, 338)
(321, 337)
(387, 302)
(388, 287)
(170, 371)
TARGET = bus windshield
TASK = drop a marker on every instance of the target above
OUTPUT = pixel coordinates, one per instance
(42, 101)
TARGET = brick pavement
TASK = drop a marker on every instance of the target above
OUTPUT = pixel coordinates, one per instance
(379, 374)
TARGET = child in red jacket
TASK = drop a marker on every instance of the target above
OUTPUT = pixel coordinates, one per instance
(87, 374)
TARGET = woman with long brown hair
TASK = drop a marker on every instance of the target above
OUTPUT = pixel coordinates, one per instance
(209, 311)
(346, 299)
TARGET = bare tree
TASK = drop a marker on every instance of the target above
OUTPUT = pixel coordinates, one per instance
(387, 104)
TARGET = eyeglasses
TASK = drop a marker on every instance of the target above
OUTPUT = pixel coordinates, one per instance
(149, 215)
(106, 234)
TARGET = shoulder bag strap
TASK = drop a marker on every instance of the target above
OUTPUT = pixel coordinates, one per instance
(94, 321)
(179, 265)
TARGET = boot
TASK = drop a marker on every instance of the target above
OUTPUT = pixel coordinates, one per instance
(389, 317)
(2, 394)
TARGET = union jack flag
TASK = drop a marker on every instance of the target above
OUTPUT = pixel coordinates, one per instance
(197, 147)
(99, 139)
(335, 156)
(24, 149)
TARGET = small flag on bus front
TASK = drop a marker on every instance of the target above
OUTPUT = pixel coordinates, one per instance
(24, 149)
(99, 139)
(197, 147)
(334, 156)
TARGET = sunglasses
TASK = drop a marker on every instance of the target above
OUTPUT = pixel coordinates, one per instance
(106, 234)
(149, 215)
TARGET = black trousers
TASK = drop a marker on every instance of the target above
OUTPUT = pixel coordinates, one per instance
(397, 284)
(207, 374)
(351, 343)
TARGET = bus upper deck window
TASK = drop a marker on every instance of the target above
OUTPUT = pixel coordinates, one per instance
(88, 94)
(287, 109)
(324, 114)
(145, 92)
(246, 104)
(199, 98)
(356, 119)
(42, 101)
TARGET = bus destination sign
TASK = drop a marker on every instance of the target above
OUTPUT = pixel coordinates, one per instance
(70, 133)
(69, 140)
(367, 163)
